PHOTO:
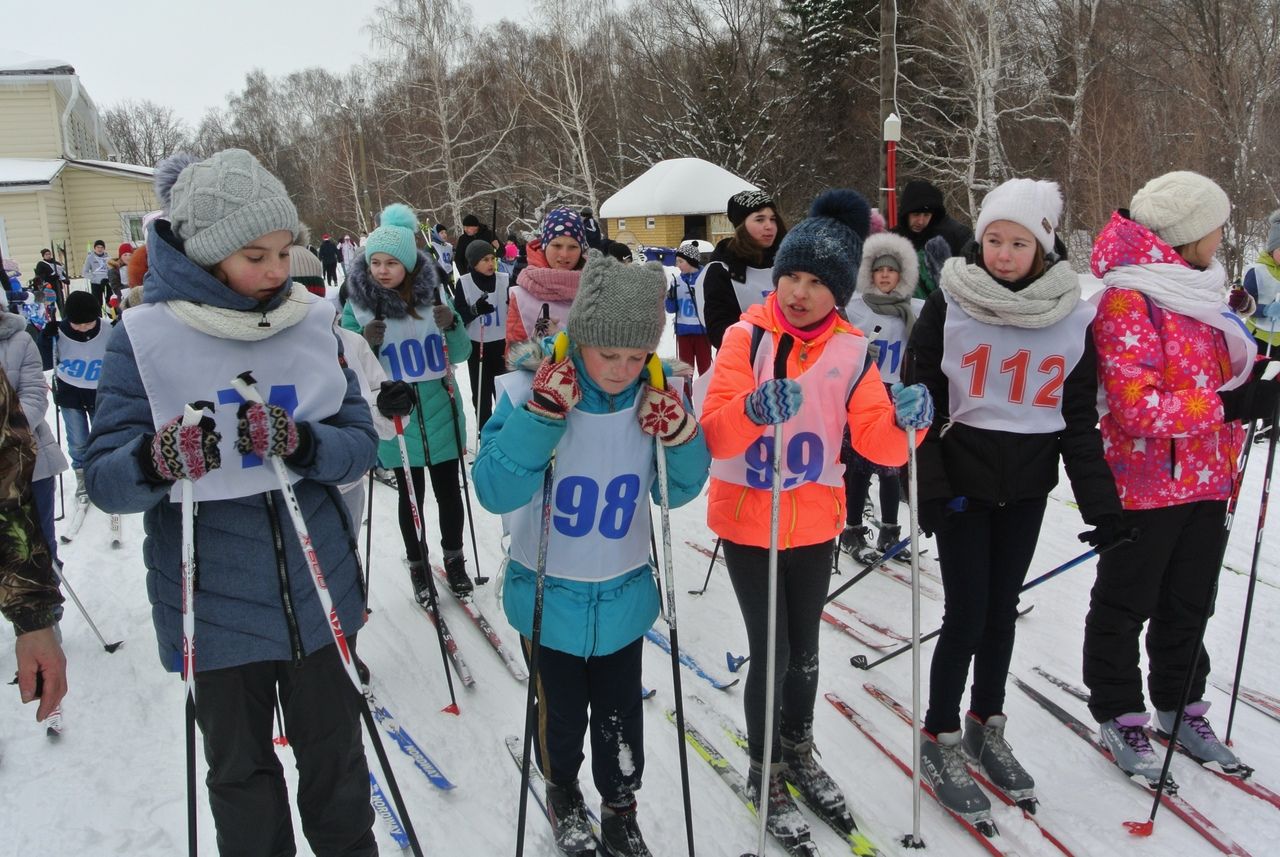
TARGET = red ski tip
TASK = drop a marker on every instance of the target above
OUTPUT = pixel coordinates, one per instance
(1140, 828)
(282, 741)
(451, 708)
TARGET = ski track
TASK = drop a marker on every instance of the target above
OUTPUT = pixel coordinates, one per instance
(114, 784)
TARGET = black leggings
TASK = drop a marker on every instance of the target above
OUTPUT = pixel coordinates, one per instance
(495, 364)
(445, 486)
(803, 576)
(856, 486)
(984, 552)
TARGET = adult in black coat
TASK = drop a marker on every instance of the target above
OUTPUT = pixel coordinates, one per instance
(329, 255)
(472, 230)
(922, 214)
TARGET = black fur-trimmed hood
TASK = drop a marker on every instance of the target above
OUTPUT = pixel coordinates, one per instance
(386, 303)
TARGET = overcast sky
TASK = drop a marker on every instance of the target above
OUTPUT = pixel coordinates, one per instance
(189, 54)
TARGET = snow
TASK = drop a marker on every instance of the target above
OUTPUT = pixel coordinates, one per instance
(118, 167)
(676, 186)
(114, 784)
(14, 61)
(26, 171)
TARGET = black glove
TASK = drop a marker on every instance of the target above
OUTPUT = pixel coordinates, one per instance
(482, 306)
(1259, 367)
(1110, 530)
(374, 331)
(1254, 400)
(934, 514)
(396, 399)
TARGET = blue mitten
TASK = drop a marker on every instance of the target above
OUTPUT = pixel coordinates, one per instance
(912, 406)
(1272, 310)
(774, 401)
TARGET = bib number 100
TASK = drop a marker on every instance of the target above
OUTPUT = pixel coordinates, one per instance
(804, 460)
(579, 510)
(410, 359)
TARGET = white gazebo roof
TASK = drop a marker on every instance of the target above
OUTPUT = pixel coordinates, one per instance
(676, 186)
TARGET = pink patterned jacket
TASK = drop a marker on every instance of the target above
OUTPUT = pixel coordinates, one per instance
(1164, 436)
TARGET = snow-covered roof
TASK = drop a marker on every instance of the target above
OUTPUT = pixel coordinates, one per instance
(115, 167)
(28, 171)
(13, 61)
(676, 186)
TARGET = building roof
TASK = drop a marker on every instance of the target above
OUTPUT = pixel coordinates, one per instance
(115, 167)
(676, 186)
(21, 172)
(13, 61)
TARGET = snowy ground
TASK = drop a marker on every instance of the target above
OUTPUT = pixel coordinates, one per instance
(114, 784)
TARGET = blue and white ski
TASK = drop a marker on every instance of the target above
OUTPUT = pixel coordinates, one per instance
(659, 639)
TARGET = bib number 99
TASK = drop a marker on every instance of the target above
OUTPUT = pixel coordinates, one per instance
(804, 460)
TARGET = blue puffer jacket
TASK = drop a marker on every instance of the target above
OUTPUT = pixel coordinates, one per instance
(580, 618)
(246, 550)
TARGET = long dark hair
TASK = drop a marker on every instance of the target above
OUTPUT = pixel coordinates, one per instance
(742, 245)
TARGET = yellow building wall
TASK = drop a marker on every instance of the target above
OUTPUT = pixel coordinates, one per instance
(95, 202)
(29, 121)
(57, 222)
(667, 230)
(24, 229)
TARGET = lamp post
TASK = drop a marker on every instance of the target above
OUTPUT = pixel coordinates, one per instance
(892, 134)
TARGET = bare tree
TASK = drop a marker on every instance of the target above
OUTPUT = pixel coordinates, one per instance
(145, 132)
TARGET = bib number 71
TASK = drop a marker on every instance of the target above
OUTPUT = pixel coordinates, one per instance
(804, 460)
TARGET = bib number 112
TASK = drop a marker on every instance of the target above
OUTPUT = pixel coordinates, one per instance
(1048, 396)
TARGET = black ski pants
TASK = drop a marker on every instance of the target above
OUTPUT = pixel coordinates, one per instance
(495, 364)
(856, 485)
(448, 493)
(330, 272)
(321, 711)
(804, 574)
(984, 553)
(1168, 576)
(601, 692)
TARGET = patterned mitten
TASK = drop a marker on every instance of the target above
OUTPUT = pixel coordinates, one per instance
(265, 430)
(555, 390)
(774, 401)
(912, 406)
(183, 452)
(662, 415)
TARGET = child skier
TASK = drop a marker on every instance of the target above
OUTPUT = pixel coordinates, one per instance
(830, 383)
(390, 293)
(738, 275)
(540, 299)
(593, 412)
(81, 345)
(484, 296)
(1004, 348)
(692, 345)
(884, 309)
(219, 302)
(1176, 366)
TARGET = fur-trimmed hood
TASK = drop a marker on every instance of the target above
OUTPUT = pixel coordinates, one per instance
(387, 303)
(11, 324)
(889, 244)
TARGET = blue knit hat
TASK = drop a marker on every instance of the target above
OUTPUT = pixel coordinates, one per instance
(395, 235)
(563, 221)
(828, 243)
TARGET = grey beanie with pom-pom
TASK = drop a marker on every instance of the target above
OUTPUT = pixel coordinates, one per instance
(828, 243)
(220, 204)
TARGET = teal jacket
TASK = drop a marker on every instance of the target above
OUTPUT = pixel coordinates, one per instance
(433, 396)
(580, 618)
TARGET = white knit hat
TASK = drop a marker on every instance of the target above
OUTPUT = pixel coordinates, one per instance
(1181, 207)
(1034, 205)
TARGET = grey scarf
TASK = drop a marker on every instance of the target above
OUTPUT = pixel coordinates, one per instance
(1047, 301)
(892, 304)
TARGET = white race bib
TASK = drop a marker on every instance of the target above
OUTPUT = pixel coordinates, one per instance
(490, 326)
(80, 363)
(531, 311)
(412, 348)
(757, 287)
(892, 337)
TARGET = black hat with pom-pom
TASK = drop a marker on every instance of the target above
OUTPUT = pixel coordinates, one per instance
(828, 243)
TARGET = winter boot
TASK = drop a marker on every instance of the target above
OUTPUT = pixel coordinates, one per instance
(363, 672)
(455, 571)
(1197, 738)
(943, 764)
(569, 822)
(621, 832)
(853, 541)
(890, 535)
(986, 747)
(812, 782)
(421, 586)
(1125, 737)
(785, 820)
(82, 493)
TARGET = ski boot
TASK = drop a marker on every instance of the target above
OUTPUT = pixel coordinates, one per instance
(455, 571)
(82, 492)
(621, 832)
(943, 764)
(785, 821)
(569, 823)
(815, 786)
(421, 586)
(890, 535)
(986, 747)
(1197, 738)
(854, 542)
(1125, 737)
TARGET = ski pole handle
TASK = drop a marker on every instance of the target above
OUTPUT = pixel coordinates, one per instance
(656, 379)
(785, 344)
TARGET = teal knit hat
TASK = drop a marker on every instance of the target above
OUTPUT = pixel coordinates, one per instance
(395, 235)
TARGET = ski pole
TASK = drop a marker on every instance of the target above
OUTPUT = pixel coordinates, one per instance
(62, 581)
(420, 527)
(785, 343)
(191, 416)
(657, 381)
(861, 662)
(368, 543)
(447, 382)
(892, 551)
(559, 352)
(245, 386)
(57, 425)
(711, 565)
(913, 839)
(479, 392)
(1257, 548)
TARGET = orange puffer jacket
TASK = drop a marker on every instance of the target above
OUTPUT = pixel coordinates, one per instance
(812, 512)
